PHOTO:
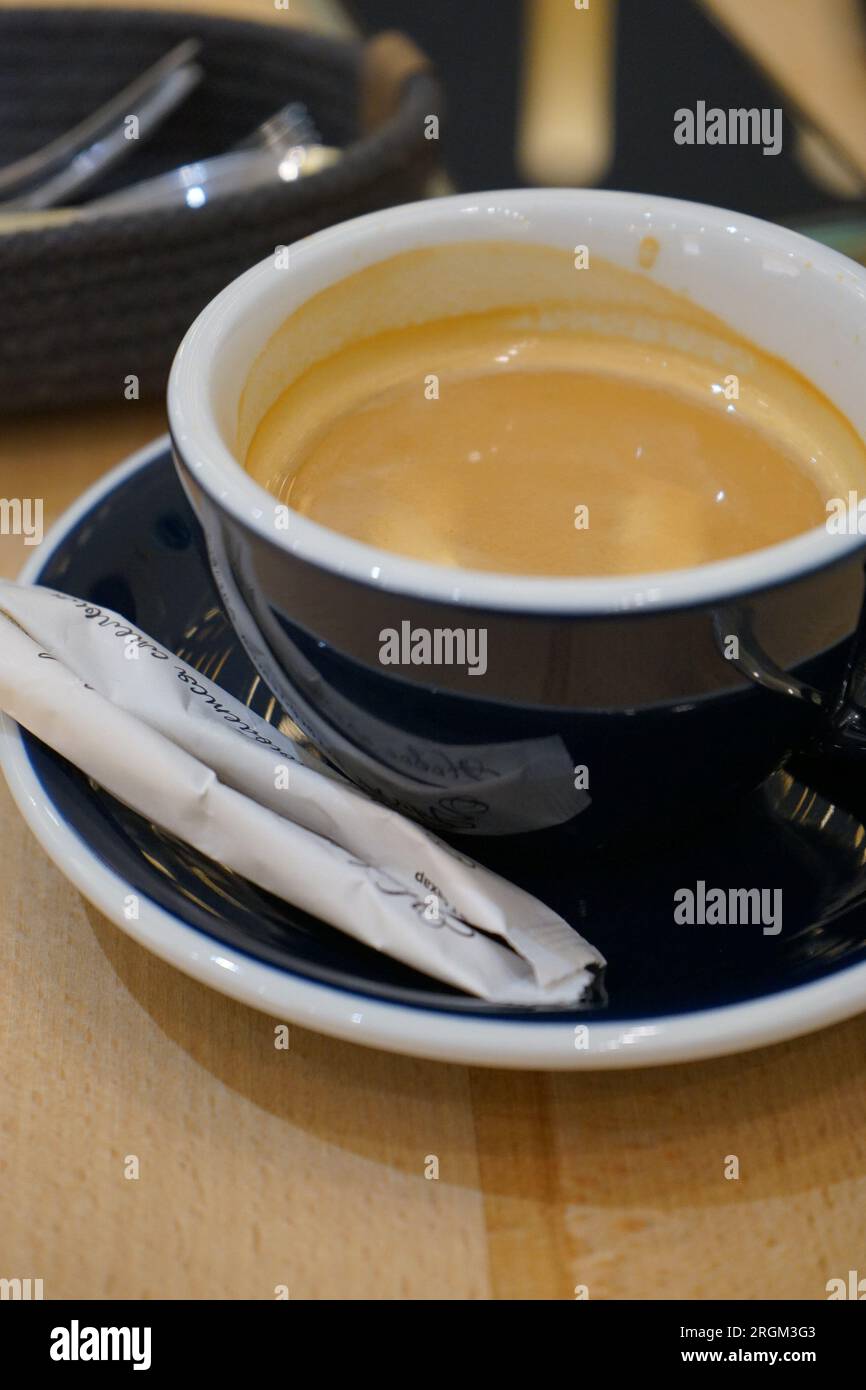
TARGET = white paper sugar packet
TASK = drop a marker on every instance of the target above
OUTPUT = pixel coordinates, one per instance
(185, 754)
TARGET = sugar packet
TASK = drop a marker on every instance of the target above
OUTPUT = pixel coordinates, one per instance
(185, 754)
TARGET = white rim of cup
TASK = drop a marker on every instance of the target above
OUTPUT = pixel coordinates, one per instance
(198, 440)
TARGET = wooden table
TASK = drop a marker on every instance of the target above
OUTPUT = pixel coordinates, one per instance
(306, 1167)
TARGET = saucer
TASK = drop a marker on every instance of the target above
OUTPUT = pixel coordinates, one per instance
(673, 992)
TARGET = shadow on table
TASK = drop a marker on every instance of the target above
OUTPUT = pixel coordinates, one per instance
(625, 1139)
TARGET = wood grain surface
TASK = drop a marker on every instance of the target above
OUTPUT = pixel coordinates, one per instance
(305, 1168)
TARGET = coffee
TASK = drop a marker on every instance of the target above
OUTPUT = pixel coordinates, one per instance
(572, 437)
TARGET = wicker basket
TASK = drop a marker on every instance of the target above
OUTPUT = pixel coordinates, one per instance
(84, 304)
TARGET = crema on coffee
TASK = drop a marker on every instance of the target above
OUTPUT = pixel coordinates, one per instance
(602, 426)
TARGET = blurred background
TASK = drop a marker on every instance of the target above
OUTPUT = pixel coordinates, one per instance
(260, 121)
(540, 94)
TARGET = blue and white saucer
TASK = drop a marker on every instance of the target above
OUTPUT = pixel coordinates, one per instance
(673, 992)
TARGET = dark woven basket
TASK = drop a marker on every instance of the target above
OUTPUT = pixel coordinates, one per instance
(84, 305)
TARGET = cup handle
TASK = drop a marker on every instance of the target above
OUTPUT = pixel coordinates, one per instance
(841, 727)
(736, 640)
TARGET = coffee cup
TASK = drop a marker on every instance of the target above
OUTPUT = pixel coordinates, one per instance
(504, 705)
